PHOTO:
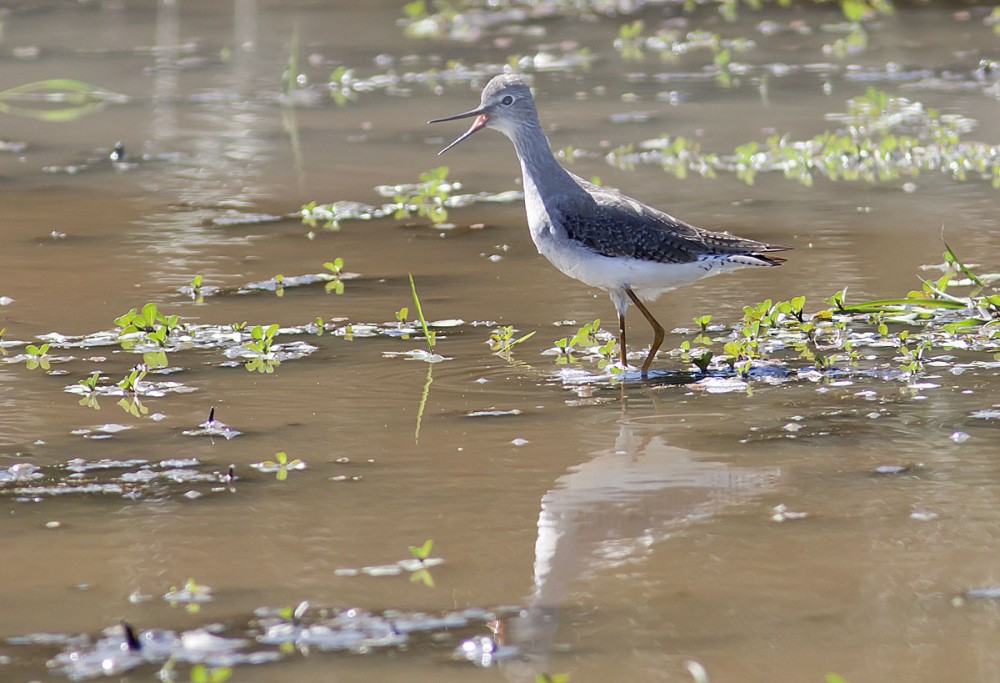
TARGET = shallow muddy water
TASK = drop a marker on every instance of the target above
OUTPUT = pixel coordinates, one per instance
(803, 520)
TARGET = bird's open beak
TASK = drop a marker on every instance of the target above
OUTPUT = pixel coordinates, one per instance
(481, 118)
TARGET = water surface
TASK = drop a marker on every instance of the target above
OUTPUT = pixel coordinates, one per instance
(614, 532)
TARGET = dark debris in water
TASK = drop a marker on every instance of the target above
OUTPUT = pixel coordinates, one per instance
(273, 634)
(178, 478)
(212, 428)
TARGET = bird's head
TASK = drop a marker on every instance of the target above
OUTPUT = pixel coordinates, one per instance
(506, 104)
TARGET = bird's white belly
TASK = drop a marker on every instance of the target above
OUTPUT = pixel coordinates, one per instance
(648, 279)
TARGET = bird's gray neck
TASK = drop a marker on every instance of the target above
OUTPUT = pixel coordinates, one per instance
(542, 173)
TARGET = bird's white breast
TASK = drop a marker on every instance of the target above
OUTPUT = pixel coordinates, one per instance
(648, 279)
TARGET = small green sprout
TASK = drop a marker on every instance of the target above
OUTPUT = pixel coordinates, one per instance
(565, 347)
(281, 465)
(216, 674)
(130, 382)
(261, 338)
(551, 678)
(195, 286)
(913, 359)
(502, 341)
(429, 334)
(422, 552)
(608, 356)
(428, 198)
(37, 356)
(191, 595)
(630, 41)
(341, 91)
(586, 335)
(90, 384)
(336, 267)
(703, 361)
(147, 321)
(294, 614)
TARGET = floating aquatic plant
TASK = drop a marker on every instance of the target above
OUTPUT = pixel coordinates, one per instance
(418, 564)
(259, 347)
(149, 331)
(466, 21)
(503, 341)
(130, 383)
(336, 268)
(670, 44)
(427, 198)
(551, 678)
(205, 674)
(37, 356)
(192, 595)
(280, 466)
(195, 286)
(430, 198)
(589, 341)
(882, 138)
(56, 100)
(422, 554)
(778, 341)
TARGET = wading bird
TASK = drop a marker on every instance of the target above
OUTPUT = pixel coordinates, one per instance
(597, 235)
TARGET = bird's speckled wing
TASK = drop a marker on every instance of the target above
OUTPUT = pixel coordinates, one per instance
(616, 225)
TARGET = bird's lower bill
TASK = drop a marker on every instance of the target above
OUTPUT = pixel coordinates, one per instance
(476, 126)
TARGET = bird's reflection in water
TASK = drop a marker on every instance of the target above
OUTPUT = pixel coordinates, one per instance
(612, 510)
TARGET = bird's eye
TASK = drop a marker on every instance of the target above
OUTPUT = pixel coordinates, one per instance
(507, 101)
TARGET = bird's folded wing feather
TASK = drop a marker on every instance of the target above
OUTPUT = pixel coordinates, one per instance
(616, 225)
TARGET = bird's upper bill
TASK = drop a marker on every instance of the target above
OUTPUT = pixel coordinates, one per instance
(482, 117)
